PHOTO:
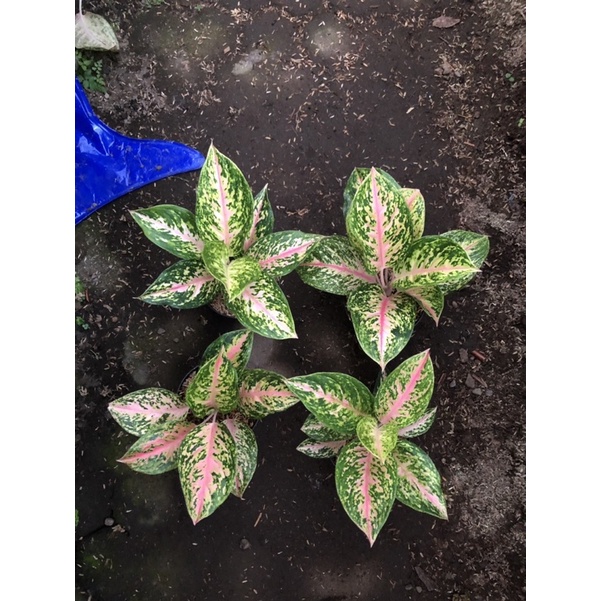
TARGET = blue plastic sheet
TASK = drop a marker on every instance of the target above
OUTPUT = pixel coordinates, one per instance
(109, 165)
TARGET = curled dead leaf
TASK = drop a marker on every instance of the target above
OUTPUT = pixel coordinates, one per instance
(445, 22)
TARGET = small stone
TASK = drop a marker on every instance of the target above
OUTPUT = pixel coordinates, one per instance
(110, 522)
(418, 589)
(452, 384)
(470, 382)
(244, 544)
(463, 355)
(477, 391)
(489, 393)
(408, 587)
(161, 331)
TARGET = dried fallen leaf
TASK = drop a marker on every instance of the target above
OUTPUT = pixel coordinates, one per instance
(445, 22)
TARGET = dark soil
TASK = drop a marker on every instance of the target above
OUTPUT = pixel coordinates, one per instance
(334, 85)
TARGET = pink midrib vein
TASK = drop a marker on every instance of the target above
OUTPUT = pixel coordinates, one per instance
(343, 269)
(225, 213)
(285, 254)
(207, 470)
(379, 215)
(407, 392)
(169, 447)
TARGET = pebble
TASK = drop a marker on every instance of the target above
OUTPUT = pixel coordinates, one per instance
(489, 393)
(463, 355)
(470, 382)
(418, 589)
(477, 391)
(244, 544)
(110, 522)
(452, 384)
(408, 587)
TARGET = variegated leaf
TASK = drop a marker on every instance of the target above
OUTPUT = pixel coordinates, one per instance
(420, 426)
(366, 487)
(224, 202)
(138, 411)
(429, 298)
(403, 396)
(240, 273)
(214, 388)
(281, 252)
(383, 324)
(216, 257)
(185, 285)
(419, 483)
(263, 392)
(432, 261)
(337, 400)
(172, 228)
(356, 178)
(262, 220)
(246, 454)
(379, 223)
(237, 347)
(334, 265)
(379, 440)
(417, 208)
(155, 452)
(263, 308)
(319, 449)
(314, 429)
(207, 468)
(476, 246)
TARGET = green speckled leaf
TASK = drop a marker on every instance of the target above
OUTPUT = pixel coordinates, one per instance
(429, 298)
(379, 440)
(262, 393)
(185, 285)
(281, 252)
(403, 396)
(207, 468)
(216, 257)
(417, 209)
(320, 450)
(432, 261)
(224, 203)
(263, 308)
(419, 483)
(356, 178)
(138, 411)
(383, 324)
(334, 265)
(214, 388)
(156, 451)
(476, 246)
(366, 487)
(240, 273)
(314, 429)
(246, 454)
(420, 426)
(172, 228)
(237, 347)
(337, 400)
(262, 220)
(379, 223)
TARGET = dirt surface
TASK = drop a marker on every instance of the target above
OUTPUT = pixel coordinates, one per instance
(298, 93)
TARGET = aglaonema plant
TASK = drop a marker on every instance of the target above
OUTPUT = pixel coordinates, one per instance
(386, 267)
(205, 430)
(368, 435)
(227, 250)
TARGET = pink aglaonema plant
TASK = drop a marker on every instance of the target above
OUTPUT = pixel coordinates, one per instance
(368, 435)
(204, 431)
(385, 266)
